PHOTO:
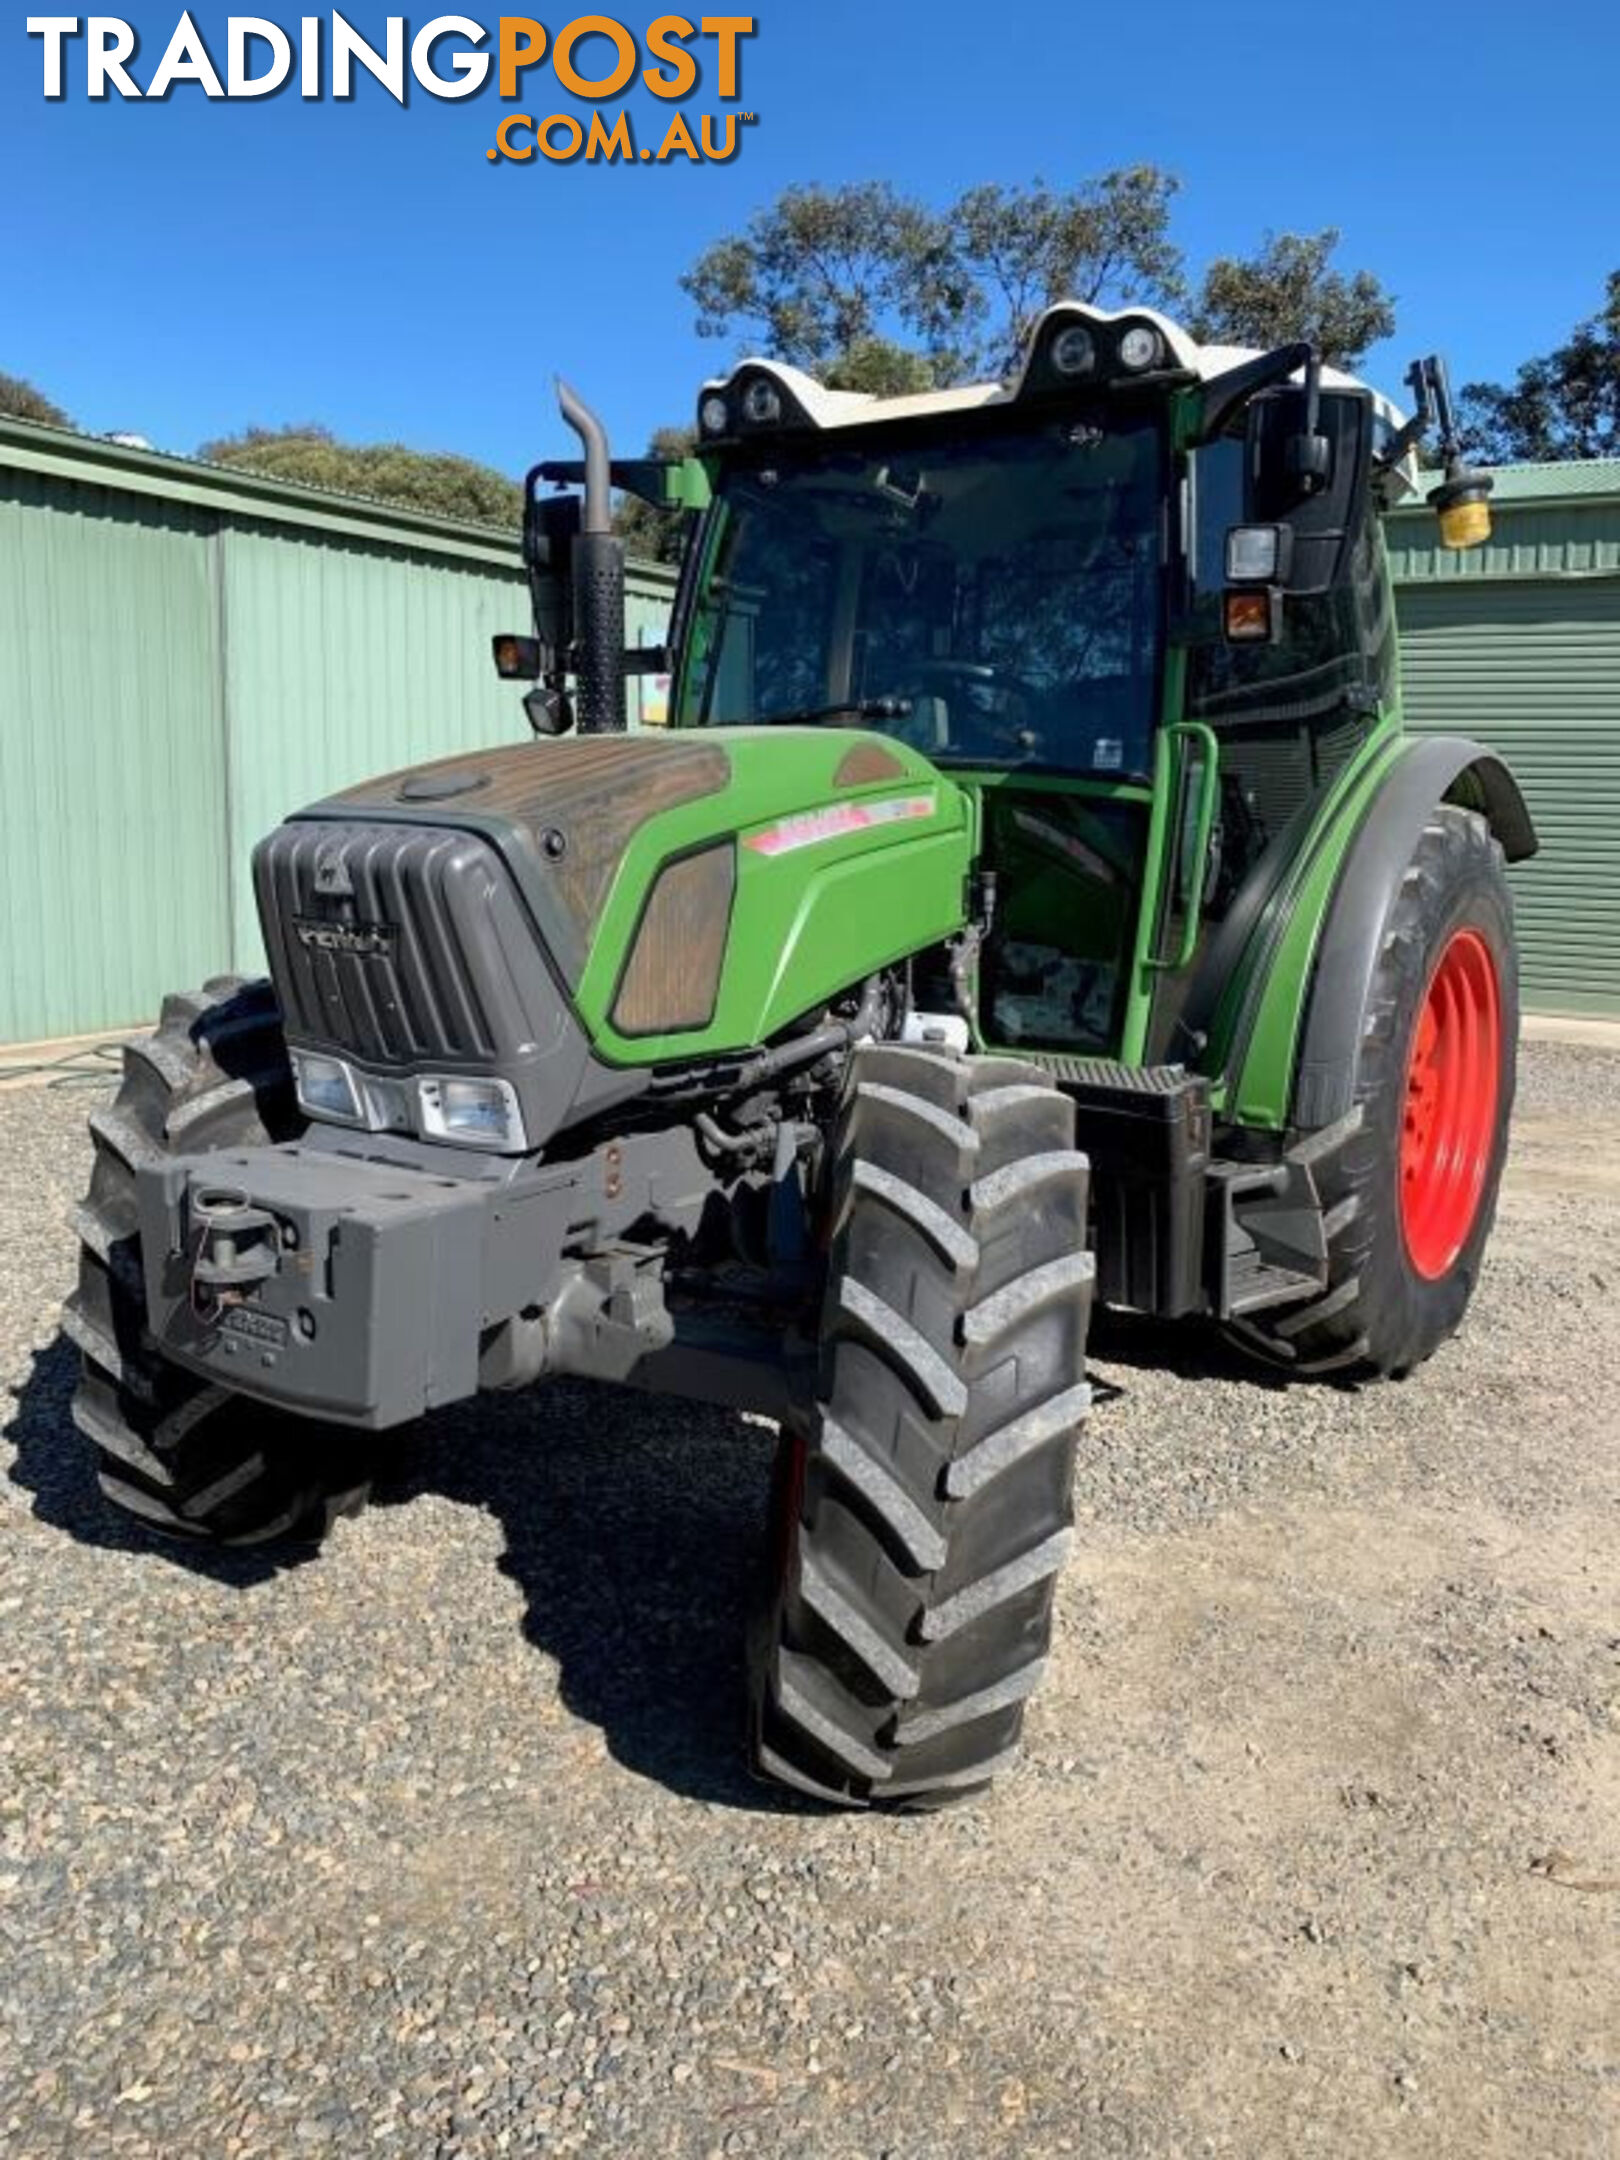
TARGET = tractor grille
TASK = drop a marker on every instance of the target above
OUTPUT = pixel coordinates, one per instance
(402, 944)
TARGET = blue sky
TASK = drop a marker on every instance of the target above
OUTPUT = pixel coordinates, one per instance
(184, 268)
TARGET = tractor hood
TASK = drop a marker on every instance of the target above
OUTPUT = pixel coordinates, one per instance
(637, 899)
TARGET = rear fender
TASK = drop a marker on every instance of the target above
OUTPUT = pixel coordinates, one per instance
(1303, 1054)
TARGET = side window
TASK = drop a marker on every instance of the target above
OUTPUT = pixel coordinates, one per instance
(1330, 657)
(1288, 715)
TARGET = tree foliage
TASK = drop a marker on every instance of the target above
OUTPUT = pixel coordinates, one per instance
(1288, 290)
(1565, 404)
(433, 481)
(875, 290)
(23, 401)
(1015, 250)
(868, 287)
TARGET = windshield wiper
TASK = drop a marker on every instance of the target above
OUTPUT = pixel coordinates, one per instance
(872, 708)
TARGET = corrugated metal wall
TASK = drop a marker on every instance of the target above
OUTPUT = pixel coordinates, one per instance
(1518, 643)
(185, 658)
(112, 766)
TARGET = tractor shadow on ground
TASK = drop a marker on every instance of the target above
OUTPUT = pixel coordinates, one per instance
(1186, 1349)
(52, 1462)
(633, 1528)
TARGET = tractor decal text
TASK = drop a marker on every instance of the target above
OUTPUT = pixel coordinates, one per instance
(809, 828)
(378, 939)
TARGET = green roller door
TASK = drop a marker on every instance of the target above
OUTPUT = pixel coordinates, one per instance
(1532, 667)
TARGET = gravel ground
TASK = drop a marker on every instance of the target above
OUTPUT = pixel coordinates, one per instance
(439, 1843)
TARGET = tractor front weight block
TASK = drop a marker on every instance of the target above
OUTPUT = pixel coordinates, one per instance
(366, 1291)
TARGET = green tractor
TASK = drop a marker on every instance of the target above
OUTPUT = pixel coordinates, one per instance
(1033, 899)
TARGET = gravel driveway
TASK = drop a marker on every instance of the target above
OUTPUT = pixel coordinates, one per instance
(440, 1844)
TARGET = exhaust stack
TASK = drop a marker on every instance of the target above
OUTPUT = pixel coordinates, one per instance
(598, 580)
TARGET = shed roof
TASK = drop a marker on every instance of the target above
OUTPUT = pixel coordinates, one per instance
(91, 460)
(1562, 480)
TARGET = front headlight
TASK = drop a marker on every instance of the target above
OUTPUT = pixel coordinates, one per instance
(1074, 351)
(440, 1106)
(471, 1113)
(1140, 348)
(325, 1088)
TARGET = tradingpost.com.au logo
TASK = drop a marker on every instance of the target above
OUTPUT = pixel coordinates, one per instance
(449, 57)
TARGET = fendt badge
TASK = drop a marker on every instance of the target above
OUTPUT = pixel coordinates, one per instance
(379, 938)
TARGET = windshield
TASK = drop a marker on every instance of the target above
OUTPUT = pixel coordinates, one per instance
(993, 599)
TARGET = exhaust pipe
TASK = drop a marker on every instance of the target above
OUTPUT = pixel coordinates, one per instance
(598, 580)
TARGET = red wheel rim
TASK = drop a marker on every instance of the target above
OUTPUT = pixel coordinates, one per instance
(1453, 1075)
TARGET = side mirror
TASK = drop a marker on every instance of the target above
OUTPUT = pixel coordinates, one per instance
(550, 531)
(551, 526)
(1290, 458)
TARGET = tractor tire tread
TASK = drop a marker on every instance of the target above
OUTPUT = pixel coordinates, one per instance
(911, 1617)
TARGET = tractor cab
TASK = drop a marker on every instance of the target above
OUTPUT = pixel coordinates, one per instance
(1133, 601)
(1136, 600)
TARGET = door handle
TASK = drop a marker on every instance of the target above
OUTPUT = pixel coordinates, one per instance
(1185, 733)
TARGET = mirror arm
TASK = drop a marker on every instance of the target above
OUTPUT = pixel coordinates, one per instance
(1227, 394)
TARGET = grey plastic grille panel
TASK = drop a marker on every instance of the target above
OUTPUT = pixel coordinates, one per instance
(434, 960)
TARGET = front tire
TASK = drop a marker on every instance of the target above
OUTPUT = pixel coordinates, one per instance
(187, 1458)
(1410, 1194)
(924, 1509)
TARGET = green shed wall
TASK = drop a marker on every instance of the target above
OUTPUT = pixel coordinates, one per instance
(184, 659)
(112, 760)
(1518, 643)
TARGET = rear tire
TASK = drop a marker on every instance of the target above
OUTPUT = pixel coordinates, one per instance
(924, 1509)
(1404, 1257)
(187, 1458)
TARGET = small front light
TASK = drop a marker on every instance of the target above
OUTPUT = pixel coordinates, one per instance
(1074, 351)
(471, 1113)
(517, 659)
(1140, 348)
(325, 1088)
(713, 416)
(1254, 554)
(762, 403)
(1252, 618)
